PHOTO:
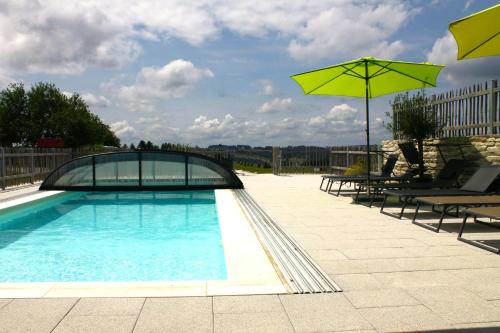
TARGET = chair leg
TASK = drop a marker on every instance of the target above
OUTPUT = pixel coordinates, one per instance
(416, 212)
(329, 185)
(322, 181)
(473, 242)
(462, 227)
(383, 204)
(340, 187)
(356, 198)
(405, 202)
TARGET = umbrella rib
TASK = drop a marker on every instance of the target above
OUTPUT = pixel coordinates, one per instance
(412, 77)
(325, 83)
(408, 75)
(380, 69)
(481, 44)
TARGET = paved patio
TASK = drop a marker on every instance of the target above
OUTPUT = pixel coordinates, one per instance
(395, 276)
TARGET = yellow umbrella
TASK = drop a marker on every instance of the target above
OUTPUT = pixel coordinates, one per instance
(478, 35)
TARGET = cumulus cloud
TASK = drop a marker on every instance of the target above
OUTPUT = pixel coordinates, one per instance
(352, 29)
(444, 51)
(62, 37)
(123, 129)
(342, 113)
(276, 105)
(71, 36)
(96, 101)
(154, 84)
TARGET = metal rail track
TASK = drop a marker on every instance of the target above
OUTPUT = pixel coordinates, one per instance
(303, 275)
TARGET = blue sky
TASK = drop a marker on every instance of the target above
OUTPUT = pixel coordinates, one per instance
(217, 71)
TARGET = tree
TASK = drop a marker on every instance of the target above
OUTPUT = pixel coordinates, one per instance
(44, 111)
(14, 117)
(414, 119)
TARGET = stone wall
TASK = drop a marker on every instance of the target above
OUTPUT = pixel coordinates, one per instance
(479, 150)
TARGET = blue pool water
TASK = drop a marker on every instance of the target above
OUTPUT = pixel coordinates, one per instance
(118, 236)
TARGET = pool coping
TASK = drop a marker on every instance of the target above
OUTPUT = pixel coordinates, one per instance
(249, 268)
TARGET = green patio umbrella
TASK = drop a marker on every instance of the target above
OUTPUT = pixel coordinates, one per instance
(368, 77)
(478, 35)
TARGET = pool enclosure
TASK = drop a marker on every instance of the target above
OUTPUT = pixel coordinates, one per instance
(141, 170)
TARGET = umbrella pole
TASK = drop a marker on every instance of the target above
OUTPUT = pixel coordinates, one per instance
(368, 161)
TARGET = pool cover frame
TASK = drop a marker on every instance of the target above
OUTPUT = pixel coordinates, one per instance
(227, 180)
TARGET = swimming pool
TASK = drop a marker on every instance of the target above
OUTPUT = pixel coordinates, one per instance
(113, 236)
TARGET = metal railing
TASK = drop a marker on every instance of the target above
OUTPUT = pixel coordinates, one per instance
(323, 159)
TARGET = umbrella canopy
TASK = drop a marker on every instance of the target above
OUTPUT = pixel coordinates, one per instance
(368, 77)
(478, 35)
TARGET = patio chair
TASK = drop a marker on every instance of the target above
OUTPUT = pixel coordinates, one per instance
(410, 153)
(384, 176)
(478, 184)
(449, 202)
(492, 213)
(446, 177)
(386, 171)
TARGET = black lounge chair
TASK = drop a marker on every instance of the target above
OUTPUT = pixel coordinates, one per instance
(449, 202)
(410, 153)
(478, 184)
(342, 180)
(447, 177)
(487, 212)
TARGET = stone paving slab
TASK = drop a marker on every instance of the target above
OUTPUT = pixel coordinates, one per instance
(107, 307)
(34, 315)
(380, 298)
(183, 314)
(96, 324)
(322, 312)
(456, 305)
(404, 319)
(247, 304)
(271, 322)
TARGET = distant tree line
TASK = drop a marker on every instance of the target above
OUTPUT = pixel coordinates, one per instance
(143, 145)
(44, 111)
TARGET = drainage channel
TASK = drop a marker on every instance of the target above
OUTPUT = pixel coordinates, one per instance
(303, 275)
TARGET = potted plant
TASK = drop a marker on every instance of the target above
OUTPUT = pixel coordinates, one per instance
(414, 119)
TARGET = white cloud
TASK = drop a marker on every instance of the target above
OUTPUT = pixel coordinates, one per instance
(62, 37)
(71, 36)
(350, 29)
(96, 101)
(342, 113)
(461, 73)
(266, 87)
(154, 84)
(276, 105)
(123, 129)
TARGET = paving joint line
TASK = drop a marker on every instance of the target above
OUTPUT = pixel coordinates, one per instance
(286, 313)
(138, 315)
(65, 315)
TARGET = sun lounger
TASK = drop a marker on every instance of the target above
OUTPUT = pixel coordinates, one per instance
(478, 184)
(449, 202)
(487, 212)
(342, 180)
(387, 169)
(447, 177)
